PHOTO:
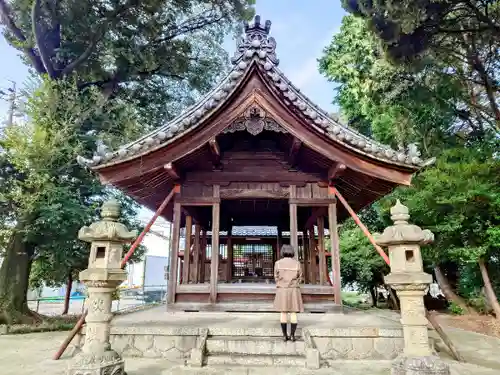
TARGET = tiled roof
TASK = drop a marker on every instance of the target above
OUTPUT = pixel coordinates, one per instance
(257, 48)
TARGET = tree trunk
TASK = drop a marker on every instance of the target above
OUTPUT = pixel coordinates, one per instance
(14, 279)
(487, 303)
(490, 293)
(448, 292)
(393, 298)
(476, 64)
(67, 296)
(373, 293)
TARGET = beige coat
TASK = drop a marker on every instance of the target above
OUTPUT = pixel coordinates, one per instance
(288, 276)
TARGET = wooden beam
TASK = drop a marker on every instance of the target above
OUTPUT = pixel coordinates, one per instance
(294, 151)
(215, 150)
(229, 265)
(196, 254)
(312, 256)
(336, 171)
(279, 243)
(172, 171)
(200, 201)
(305, 256)
(312, 202)
(187, 250)
(293, 222)
(174, 253)
(321, 252)
(214, 261)
(334, 240)
(203, 258)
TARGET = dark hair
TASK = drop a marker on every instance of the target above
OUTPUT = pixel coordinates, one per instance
(287, 251)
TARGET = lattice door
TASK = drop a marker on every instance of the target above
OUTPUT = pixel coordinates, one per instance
(253, 261)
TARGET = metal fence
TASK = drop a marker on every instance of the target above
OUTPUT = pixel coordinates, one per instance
(129, 298)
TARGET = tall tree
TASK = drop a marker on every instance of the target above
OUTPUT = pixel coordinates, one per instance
(157, 54)
(393, 104)
(110, 69)
(459, 200)
(462, 34)
(412, 102)
(48, 196)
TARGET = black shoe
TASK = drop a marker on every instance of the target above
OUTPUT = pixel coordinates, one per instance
(284, 330)
(292, 331)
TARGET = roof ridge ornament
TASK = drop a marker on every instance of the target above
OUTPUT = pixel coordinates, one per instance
(256, 43)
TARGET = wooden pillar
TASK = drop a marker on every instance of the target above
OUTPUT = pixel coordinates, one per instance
(203, 257)
(214, 259)
(195, 273)
(293, 222)
(279, 243)
(174, 255)
(321, 250)
(306, 257)
(187, 250)
(334, 238)
(229, 265)
(312, 256)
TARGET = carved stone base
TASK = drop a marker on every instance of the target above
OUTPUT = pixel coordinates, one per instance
(430, 365)
(107, 363)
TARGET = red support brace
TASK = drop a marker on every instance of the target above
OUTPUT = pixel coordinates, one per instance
(158, 212)
(333, 190)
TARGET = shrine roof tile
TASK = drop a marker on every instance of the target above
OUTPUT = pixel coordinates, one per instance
(258, 49)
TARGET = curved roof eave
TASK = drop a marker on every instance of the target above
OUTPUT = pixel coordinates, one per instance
(257, 49)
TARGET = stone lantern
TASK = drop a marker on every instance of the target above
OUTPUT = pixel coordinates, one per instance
(410, 281)
(103, 275)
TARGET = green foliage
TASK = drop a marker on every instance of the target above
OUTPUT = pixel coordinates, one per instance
(393, 104)
(158, 55)
(458, 37)
(455, 309)
(437, 99)
(60, 196)
(459, 200)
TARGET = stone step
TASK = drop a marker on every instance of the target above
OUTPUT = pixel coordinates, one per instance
(251, 331)
(252, 345)
(255, 360)
(340, 368)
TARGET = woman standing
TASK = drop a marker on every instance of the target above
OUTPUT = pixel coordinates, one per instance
(288, 299)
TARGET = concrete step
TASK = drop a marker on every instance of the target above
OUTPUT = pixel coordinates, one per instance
(242, 360)
(253, 345)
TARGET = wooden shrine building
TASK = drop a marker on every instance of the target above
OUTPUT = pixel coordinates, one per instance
(253, 152)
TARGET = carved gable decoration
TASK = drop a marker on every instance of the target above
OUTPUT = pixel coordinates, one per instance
(254, 121)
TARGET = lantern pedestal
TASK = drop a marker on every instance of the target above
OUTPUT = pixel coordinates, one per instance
(410, 282)
(102, 277)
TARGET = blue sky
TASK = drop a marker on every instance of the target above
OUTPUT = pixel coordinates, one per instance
(301, 29)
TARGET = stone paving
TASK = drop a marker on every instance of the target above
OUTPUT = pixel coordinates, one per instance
(30, 355)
